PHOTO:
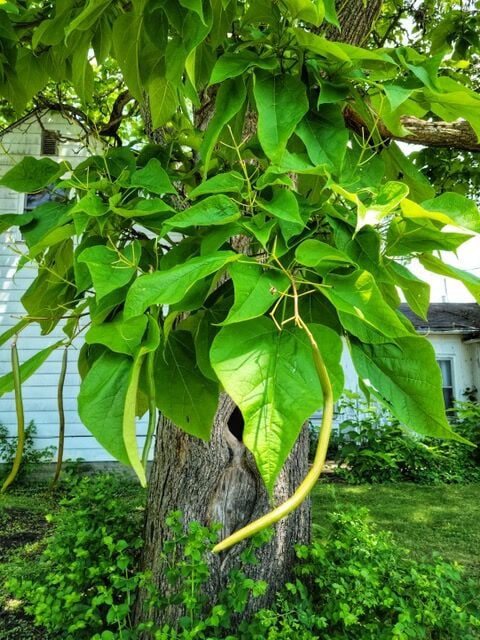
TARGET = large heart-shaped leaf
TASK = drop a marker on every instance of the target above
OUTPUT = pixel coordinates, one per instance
(469, 281)
(359, 302)
(281, 102)
(271, 376)
(31, 174)
(171, 285)
(121, 336)
(256, 289)
(405, 377)
(183, 393)
(101, 402)
(110, 269)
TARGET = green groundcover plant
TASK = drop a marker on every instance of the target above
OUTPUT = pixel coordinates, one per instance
(31, 454)
(371, 445)
(356, 583)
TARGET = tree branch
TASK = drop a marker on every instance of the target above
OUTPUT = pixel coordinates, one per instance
(456, 135)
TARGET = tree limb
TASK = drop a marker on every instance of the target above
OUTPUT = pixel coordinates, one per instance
(429, 133)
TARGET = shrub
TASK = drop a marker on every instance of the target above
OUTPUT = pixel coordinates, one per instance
(31, 455)
(359, 584)
(85, 578)
(372, 446)
(85, 584)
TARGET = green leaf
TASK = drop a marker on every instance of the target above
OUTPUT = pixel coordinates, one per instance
(271, 377)
(88, 17)
(171, 285)
(182, 393)
(386, 200)
(28, 368)
(82, 71)
(8, 220)
(120, 336)
(396, 94)
(415, 235)
(435, 265)
(283, 205)
(399, 166)
(233, 64)
(359, 302)
(229, 182)
(325, 137)
(163, 100)
(51, 294)
(153, 178)
(31, 174)
(127, 44)
(230, 99)
(110, 269)
(311, 11)
(281, 103)
(215, 210)
(46, 218)
(416, 291)
(443, 213)
(323, 257)
(143, 208)
(91, 204)
(101, 402)
(312, 43)
(406, 378)
(459, 210)
(11, 331)
(256, 290)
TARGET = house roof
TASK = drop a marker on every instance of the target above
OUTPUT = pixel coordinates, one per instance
(447, 317)
(34, 112)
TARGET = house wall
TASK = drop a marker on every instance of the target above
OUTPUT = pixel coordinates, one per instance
(464, 358)
(39, 391)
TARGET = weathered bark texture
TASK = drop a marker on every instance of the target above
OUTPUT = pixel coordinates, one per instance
(217, 481)
(455, 135)
(356, 18)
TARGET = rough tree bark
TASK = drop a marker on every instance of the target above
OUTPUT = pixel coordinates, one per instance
(218, 480)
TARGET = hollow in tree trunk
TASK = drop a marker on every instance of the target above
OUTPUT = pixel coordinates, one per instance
(217, 481)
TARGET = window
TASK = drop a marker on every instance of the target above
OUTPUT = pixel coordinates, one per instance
(49, 143)
(446, 367)
(49, 194)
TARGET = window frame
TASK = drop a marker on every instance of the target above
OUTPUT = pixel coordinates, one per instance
(448, 390)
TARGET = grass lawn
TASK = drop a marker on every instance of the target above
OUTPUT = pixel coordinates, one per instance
(443, 520)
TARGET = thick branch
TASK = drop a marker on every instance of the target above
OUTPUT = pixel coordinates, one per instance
(455, 135)
(356, 18)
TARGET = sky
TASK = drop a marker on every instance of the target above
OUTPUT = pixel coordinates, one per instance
(445, 289)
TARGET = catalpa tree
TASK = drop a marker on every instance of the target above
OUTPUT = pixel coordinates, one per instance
(216, 274)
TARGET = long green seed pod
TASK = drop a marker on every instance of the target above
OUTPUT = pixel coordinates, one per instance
(312, 476)
(17, 387)
(61, 417)
(152, 409)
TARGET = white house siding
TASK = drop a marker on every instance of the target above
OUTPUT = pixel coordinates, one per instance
(39, 391)
(464, 358)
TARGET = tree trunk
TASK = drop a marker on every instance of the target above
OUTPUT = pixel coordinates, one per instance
(217, 481)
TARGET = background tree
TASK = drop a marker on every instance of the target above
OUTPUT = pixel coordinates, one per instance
(270, 217)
